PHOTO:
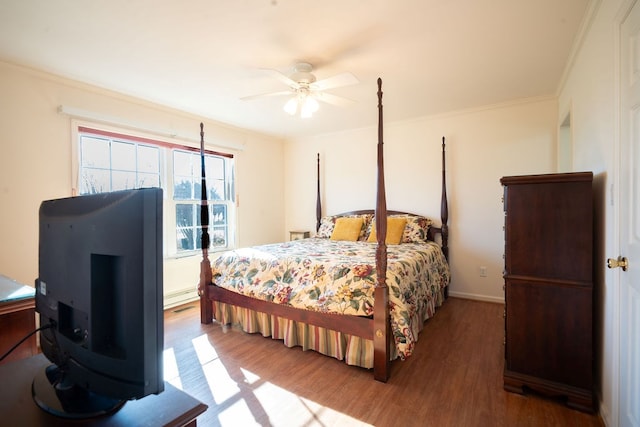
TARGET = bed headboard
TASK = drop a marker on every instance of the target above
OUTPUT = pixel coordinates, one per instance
(434, 231)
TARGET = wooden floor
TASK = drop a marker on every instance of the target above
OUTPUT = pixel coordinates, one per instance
(454, 378)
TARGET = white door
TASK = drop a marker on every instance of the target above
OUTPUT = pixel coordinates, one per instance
(629, 382)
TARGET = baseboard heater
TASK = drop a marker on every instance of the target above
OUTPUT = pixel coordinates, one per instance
(176, 298)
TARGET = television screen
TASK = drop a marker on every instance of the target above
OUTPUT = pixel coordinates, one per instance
(100, 292)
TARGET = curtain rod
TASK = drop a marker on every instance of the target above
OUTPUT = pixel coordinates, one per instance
(97, 117)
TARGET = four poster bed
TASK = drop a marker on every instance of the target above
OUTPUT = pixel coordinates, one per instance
(360, 290)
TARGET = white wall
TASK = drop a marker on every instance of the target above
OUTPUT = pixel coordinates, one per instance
(589, 93)
(35, 164)
(482, 146)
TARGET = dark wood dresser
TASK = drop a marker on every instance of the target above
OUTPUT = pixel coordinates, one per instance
(549, 286)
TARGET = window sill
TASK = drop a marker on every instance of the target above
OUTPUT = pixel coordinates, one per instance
(198, 253)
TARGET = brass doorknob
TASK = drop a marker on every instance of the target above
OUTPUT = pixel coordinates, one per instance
(620, 262)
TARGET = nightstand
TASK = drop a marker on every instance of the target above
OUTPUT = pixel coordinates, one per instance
(297, 235)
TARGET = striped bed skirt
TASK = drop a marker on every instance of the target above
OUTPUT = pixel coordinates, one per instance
(351, 349)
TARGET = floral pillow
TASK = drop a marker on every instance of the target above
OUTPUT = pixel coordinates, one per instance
(327, 224)
(416, 230)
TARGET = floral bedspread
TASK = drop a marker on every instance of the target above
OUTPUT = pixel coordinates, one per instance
(339, 277)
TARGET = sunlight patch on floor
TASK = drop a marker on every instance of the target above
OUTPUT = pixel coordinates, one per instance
(222, 386)
(238, 414)
(243, 398)
(278, 402)
(251, 378)
(170, 365)
(204, 349)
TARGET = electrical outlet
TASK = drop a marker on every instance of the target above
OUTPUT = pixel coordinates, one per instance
(483, 271)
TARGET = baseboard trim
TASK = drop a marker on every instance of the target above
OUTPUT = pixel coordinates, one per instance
(476, 297)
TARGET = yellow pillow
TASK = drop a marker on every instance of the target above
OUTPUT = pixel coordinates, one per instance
(347, 229)
(395, 229)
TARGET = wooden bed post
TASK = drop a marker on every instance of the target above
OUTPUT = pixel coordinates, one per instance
(206, 307)
(444, 215)
(381, 294)
(444, 209)
(318, 202)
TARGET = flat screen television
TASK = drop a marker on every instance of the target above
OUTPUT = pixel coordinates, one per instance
(99, 292)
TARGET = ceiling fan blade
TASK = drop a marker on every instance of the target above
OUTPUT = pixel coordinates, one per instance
(339, 80)
(284, 79)
(333, 99)
(266, 95)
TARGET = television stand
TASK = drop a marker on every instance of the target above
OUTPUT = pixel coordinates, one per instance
(172, 407)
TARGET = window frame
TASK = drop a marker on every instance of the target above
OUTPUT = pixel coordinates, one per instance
(167, 147)
(227, 201)
(131, 171)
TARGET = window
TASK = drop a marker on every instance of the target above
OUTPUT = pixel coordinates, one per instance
(109, 164)
(111, 161)
(187, 167)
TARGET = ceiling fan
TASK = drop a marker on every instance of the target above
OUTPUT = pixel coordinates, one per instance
(306, 91)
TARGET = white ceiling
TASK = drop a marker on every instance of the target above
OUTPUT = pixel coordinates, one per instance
(202, 56)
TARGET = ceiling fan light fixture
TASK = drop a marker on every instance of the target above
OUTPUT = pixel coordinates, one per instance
(309, 106)
(291, 106)
(303, 103)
